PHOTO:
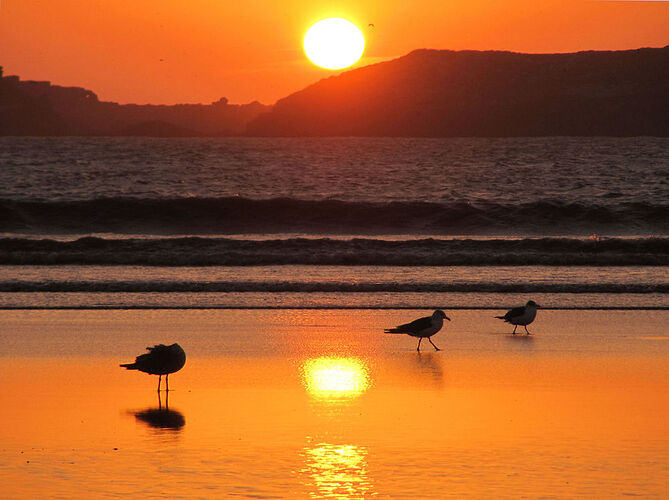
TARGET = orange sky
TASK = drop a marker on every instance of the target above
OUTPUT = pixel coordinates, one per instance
(188, 51)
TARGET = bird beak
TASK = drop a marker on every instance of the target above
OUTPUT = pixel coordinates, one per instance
(446, 317)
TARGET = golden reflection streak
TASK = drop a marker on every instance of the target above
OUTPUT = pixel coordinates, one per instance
(337, 471)
(335, 378)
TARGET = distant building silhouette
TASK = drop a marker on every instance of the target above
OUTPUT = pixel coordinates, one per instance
(40, 108)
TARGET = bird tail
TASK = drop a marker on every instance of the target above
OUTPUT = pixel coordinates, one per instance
(392, 330)
(500, 317)
(129, 366)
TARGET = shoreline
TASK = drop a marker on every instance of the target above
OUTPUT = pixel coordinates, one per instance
(318, 308)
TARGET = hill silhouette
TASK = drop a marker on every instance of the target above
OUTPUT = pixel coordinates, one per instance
(427, 93)
(491, 93)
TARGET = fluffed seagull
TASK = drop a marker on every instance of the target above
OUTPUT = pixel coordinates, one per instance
(521, 315)
(422, 327)
(160, 360)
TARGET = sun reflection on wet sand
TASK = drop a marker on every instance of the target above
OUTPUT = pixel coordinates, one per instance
(337, 471)
(578, 412)
(334, 378)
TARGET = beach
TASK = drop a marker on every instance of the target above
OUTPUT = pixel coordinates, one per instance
(277, 263)
(297, 403)
(334, 250)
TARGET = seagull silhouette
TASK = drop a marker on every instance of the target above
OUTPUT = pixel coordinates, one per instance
(422, 327)
(521, 315)
(160, 360)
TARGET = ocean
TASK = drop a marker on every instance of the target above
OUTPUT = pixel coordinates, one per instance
(334, 223)
(277, 264)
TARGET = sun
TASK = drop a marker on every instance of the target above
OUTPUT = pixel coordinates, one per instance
(334, 43)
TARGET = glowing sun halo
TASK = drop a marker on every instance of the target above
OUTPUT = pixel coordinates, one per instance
(334, 43)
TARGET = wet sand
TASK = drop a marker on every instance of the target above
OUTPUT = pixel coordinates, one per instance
(320, 403)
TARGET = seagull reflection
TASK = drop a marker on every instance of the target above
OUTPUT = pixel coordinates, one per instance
(161, 417)
(520, 343)
(430, 366)
(337, 471)
(520, 338)
(334, 378)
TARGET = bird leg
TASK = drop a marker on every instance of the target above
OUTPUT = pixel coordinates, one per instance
(160, 377)
(167, 383)
(420, 339)
(514, 329)
(436, 348)
(528, 332)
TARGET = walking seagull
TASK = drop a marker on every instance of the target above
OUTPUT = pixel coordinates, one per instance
(422, 327)
(160, 360)
(521, 315)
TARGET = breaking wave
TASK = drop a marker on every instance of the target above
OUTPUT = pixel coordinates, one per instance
(237, 215)
(329, 287)
(205, 251)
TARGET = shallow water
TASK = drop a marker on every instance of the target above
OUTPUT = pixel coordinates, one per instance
(286, 402)
(321, 404)
(334, 286)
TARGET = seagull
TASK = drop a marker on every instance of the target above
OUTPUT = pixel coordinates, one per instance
(160, 360)
(521, 315)
(422, 327)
